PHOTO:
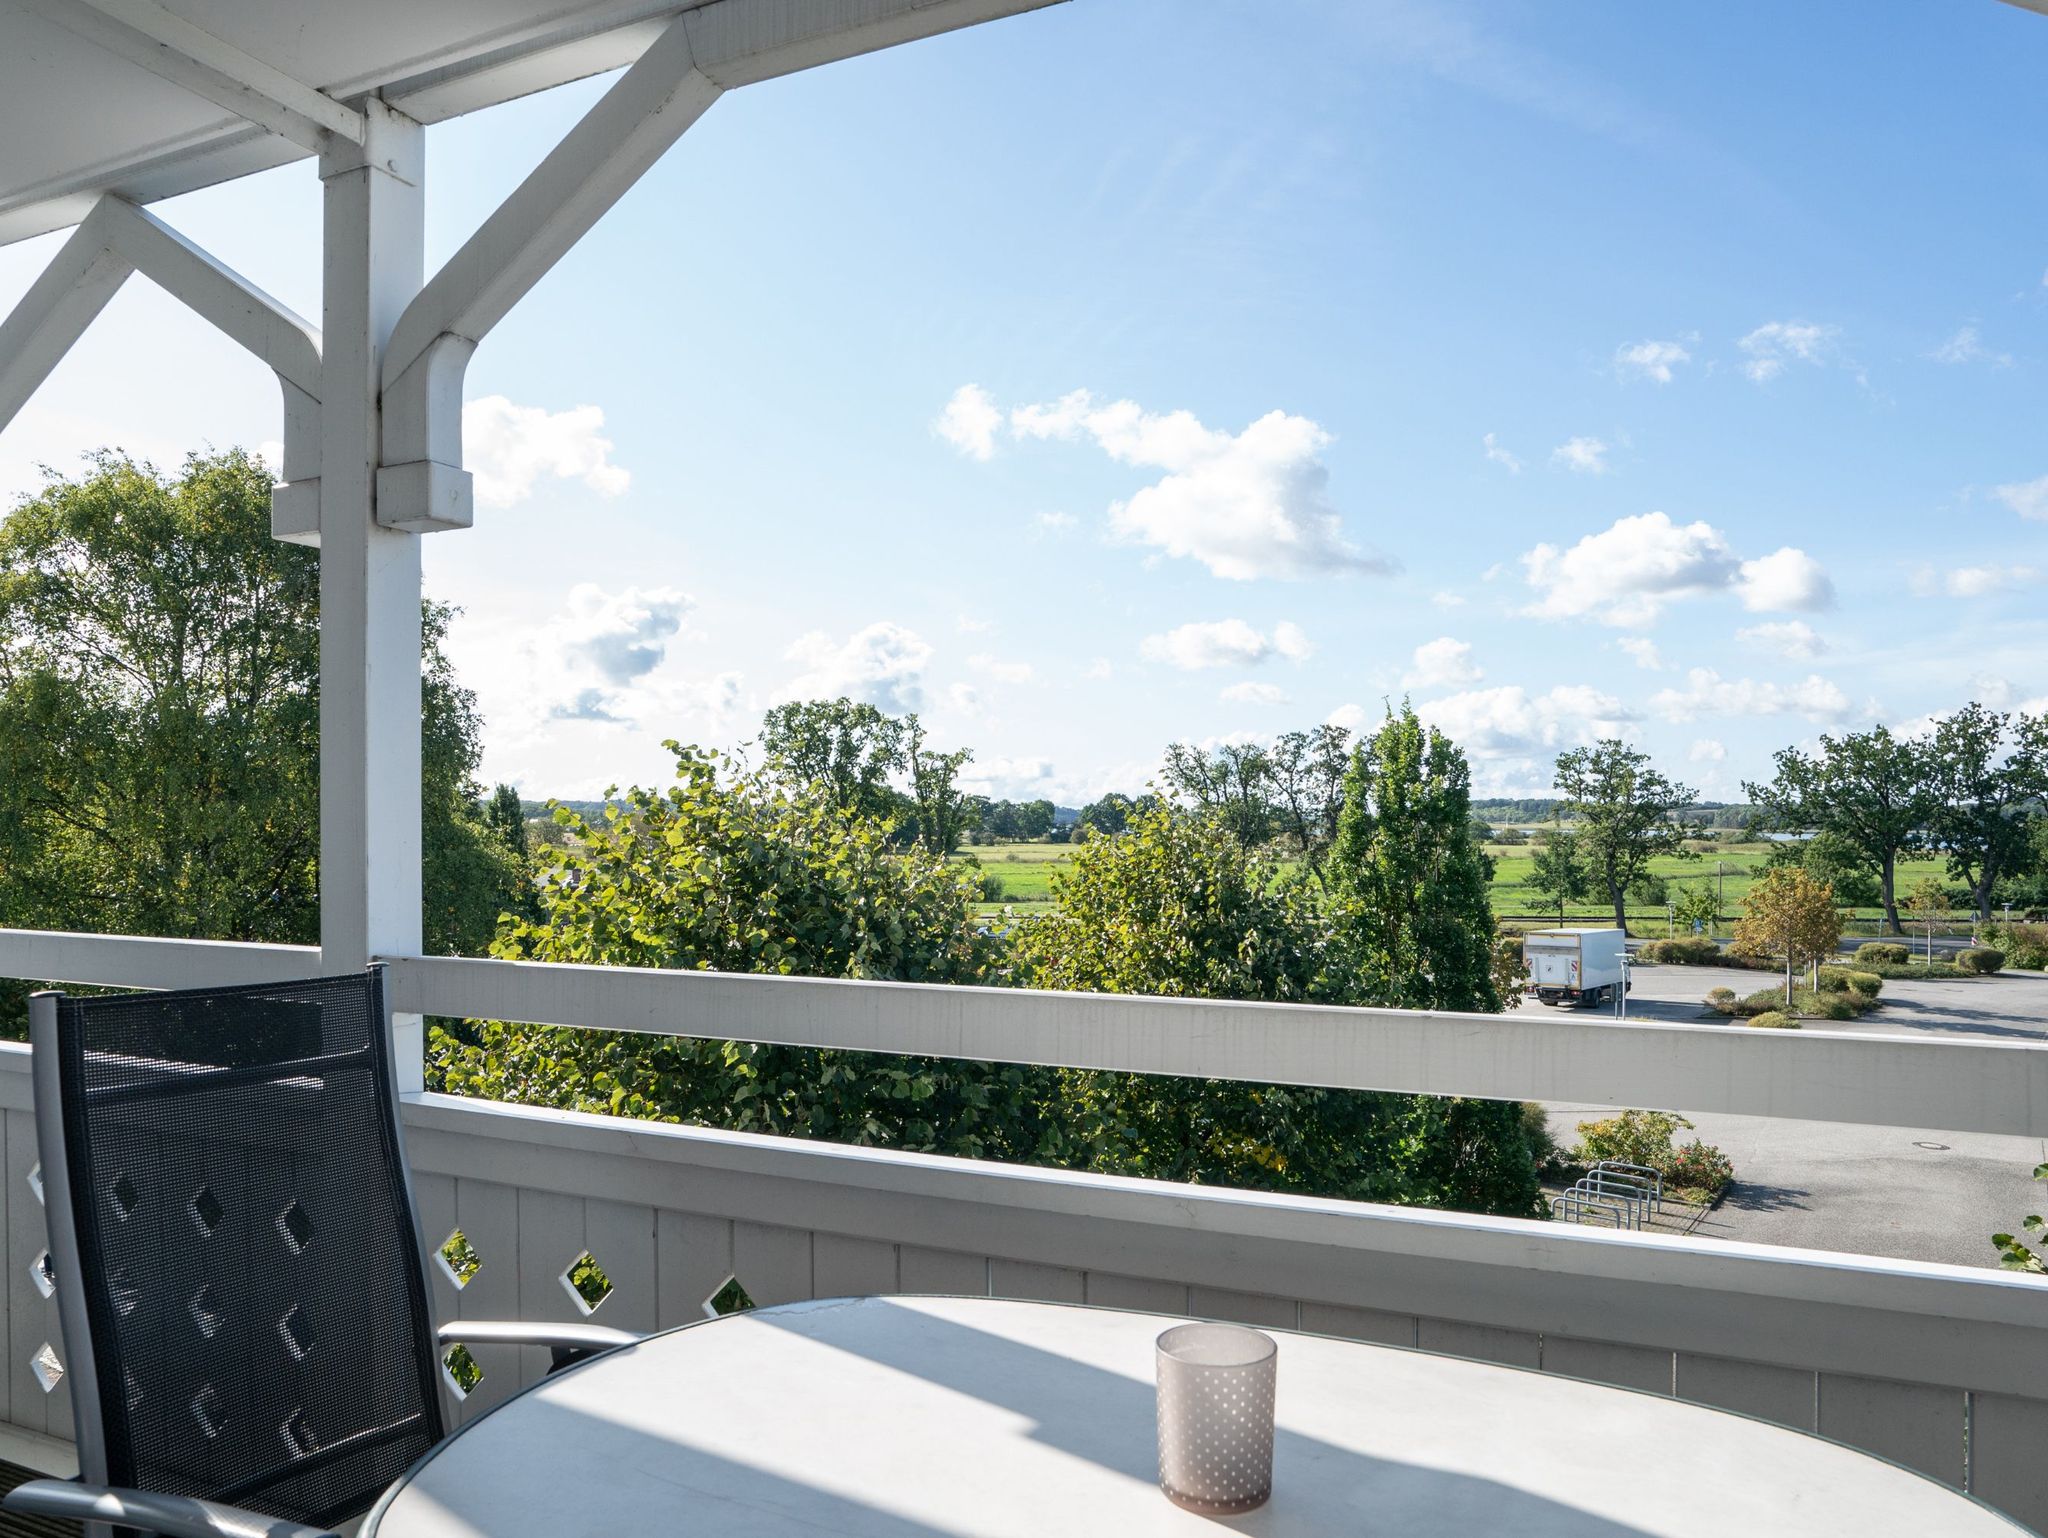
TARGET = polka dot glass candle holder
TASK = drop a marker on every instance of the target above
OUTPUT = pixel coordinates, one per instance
(1216, 1417)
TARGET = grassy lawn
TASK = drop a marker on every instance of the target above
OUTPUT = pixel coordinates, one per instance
(1026, 872)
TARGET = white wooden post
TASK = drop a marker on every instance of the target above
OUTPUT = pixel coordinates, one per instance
(374, 263)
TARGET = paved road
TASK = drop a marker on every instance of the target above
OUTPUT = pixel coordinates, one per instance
(1864, 1190)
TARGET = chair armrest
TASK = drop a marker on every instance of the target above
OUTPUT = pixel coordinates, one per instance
(173, 1516)
(570, 1343)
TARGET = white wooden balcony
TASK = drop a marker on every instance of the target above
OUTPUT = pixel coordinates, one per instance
(1936, 1367)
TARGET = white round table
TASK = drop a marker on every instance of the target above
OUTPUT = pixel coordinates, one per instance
(936, 1417)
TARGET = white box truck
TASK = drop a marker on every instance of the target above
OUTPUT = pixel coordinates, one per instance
(1577, 966)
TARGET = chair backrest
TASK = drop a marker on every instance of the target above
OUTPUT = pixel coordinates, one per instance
(232, 1239)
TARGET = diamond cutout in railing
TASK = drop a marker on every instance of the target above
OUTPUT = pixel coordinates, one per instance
(35, 1179)
(461, 1371)
(130, 1389)
(458, 1257)
(586, 1283)
(43, 1273)
(297, 1227)
(124, 1196)
(205, 1311)
(730, 1298)
(208, 1410)
(121, 1286)
(207, 1211)
(48, 1370)
(297, 1332)
(298, 1436)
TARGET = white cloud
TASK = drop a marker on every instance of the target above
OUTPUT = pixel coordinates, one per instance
(1246, 505)
(2027, 498)
(972, 624)
(508, 448)
(1707, 693)
(1509, 721)
(1444, 598)
(1626, 573)
(1052, 523)
(1445, 663)
(1786, 580)
(1583, 456)
(1098, 669)
(1643, 651)
(969, 422)
(1967, 346)
(1708, 751)
(1779, 342)
(621, 637)
(1793, 639)
(1972, 581)
(1224, 643)
(1501, 456)
(1001, 671)
(882, 664)
(1651, 360)
(1254, 694)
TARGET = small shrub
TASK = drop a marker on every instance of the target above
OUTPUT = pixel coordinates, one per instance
(1721, 1000)
(1700, 1167)
(1633, 1137)
(1684, 951)
(991, 887)
(1774, 1020)
(1869, 984)
(1980, 960)
(2023, 945)
(1883, 953)
(1760, 1001)
(1838, 1007)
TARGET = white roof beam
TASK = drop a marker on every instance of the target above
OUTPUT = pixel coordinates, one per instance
(145, 33)
(698, 55)
(117, 238)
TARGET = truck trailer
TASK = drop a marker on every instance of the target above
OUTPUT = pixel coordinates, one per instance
(1577, 966)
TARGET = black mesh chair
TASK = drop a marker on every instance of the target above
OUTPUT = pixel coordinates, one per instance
(239, 1274)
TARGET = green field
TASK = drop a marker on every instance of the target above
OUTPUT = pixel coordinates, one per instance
(1026, 872)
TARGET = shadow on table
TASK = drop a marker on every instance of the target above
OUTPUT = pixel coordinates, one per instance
(1108, 1419)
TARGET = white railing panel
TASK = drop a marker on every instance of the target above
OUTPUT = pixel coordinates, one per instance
(130, 961)
(1999, 1087)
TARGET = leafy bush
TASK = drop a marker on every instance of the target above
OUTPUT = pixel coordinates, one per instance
(1633, 1137)
(990, 886)
(1699, 1170)
(1774, 1020)
(1838, 1007)
(1762, 1001)
(2023, 945)
(1883, 953)
(1980, 960)
(1700, 1167)
(1721, 999)
(2016, 1256)
(1684, 951)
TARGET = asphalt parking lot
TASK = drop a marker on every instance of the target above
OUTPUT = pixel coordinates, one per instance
(1915, 1194)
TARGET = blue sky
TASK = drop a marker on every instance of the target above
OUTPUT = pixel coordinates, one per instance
(1573, 370)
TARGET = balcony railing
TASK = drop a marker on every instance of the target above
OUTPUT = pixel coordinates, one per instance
(1936, 1367)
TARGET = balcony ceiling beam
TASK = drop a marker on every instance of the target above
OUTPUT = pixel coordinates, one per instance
(164, 43)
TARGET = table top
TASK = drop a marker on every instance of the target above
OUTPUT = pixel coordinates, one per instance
(948, 1417)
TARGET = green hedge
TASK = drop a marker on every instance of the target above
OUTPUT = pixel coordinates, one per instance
(1684, 951)
(1883, 953)
(1772, 1020)
(1980, 960)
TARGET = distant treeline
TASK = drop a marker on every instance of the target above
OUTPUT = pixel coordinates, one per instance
(1535, 809)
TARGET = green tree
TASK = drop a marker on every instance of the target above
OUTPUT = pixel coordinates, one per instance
(1695, 906)
(1110, 815)
(159, 720)
(1990, 772)
(507, 816)
(1408, 885)
(1034, 819)
(849, 748)
(1235, 781)
(1830, 857)
(943, 811)
(1558, 872)
(1623, 814)
(1305, 784)
(746, 874)
(1873, 792)
(1788, 912)
(1178, 906)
